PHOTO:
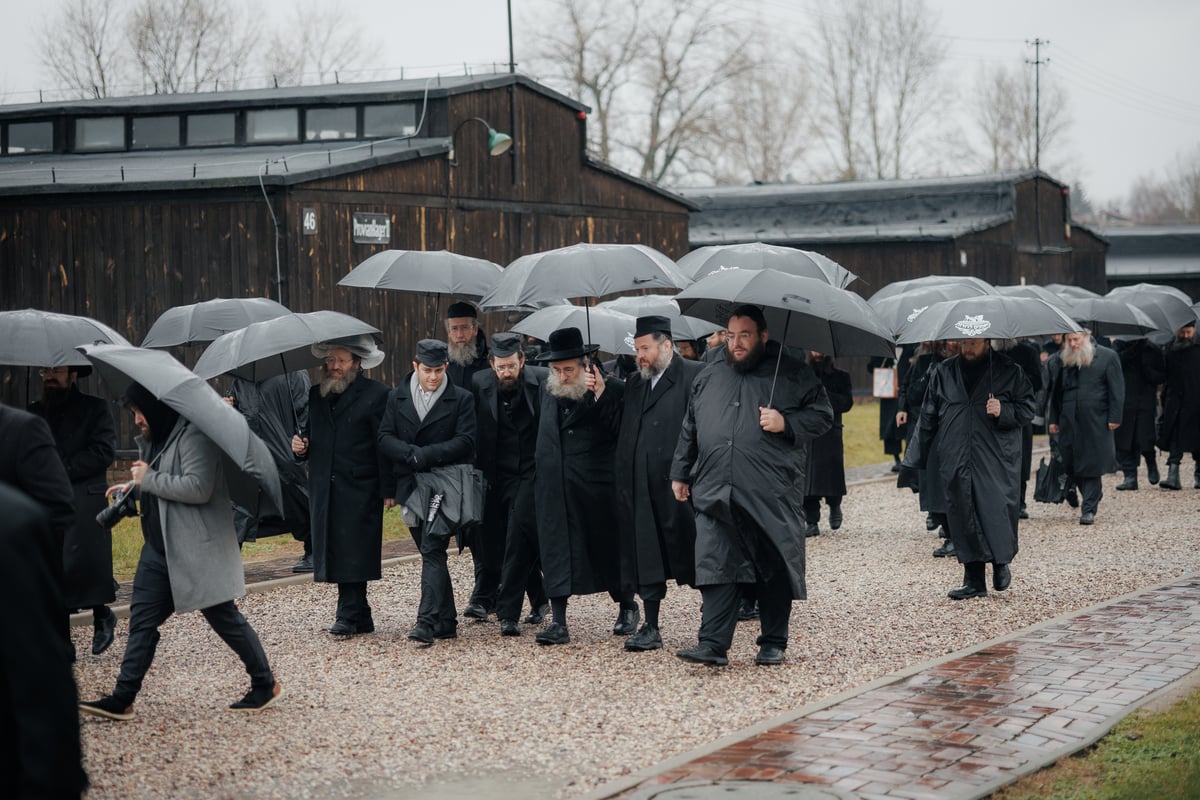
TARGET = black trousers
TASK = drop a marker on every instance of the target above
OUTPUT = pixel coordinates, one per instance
(352, 606)
(436, 608)
(152, 605)
(521, 571)
(1127, 460)
(812, 507)
(1176, 452)
(1090, 492)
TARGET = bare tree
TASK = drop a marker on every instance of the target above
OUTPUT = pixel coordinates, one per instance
(1005, 113)
(183, 45)
(322, 41)
(841, 45)
(1173, 199)
(80, 47)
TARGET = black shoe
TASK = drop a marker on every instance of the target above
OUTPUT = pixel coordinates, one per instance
(554, 633)
(1129, 484)
(967, 591)
(538, 615)
(703, 654)
(645, 639)
(258, 699)
(946, 550)
(1152, 474)
(1001, 577)
(1088, 518)
(509, 627)
(835, 517)
(1196, 479)
(1023, 514)
(104, 631)
(748, 611)
(769, 655)
(344, 628)
(475, 611)
(1072, 498)
(895, 466)
(421, 633)
(811, 530)
(627, 622)
(931, 524)
(1172, 481)
(304, 564)
(446, 632)
(108, 707)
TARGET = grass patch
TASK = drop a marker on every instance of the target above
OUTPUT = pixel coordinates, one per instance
(1146, 756)
(860, 437)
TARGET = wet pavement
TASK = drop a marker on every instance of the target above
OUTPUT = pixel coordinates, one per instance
(966, 725)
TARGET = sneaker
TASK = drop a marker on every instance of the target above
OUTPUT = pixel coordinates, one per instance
(108, 707)
(258, 699)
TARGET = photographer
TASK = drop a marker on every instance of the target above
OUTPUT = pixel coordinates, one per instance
(190, 557)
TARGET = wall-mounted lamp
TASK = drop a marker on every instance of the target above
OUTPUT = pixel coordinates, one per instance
(498, 144)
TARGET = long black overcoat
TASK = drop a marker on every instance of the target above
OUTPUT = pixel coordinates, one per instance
(1083, 403)
(826, 457)
(462, 376)
(729, 460)
(86, 439)
(658, 533)
(1144, 369)
(345, 472)
(912, 396)
(573, 493)
(410, 444)
(979, 456)
(1181, 397)
(29, 461)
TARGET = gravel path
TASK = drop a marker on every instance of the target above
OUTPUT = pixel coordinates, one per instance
(376, 716)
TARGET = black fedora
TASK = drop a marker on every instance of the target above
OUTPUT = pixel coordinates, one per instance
(565, 344)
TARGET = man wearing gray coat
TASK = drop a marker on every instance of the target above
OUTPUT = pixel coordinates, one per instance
(190, 559)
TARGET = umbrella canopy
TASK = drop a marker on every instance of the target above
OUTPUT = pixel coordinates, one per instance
(800, 312)
(685, 328)
(1040, 292)
(611, 330)
(643, 305)
(204, 322)
(1108, 316)
(1161, 288)
(583, 270)
(757, 255)
(1168, 312)
(277, 346)
(427, 272)
(987, 317)
(198, 403)
(1071, 292)
(898, 310)
(33, 338)
(900, 287)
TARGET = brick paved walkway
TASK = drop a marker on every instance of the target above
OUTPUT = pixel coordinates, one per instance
(966, 726)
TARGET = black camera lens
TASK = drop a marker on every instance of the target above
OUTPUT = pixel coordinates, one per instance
(123, 505)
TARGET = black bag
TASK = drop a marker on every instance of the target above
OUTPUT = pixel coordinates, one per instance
(1051, 485)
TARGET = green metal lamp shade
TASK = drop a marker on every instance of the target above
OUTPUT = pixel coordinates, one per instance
(498, 143)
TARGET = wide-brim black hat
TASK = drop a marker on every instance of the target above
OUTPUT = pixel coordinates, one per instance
(565, 344)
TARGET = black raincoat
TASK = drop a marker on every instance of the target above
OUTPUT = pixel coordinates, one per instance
(826, 463)
(1082, 404)
(1144, 369)
(1181, 398)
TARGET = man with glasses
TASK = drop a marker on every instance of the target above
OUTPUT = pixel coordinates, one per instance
(345, 477)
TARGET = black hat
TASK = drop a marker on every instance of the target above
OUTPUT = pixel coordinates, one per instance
(652, 324)
(432, 352)
(461, 309)
(565, 344)
(505, 344)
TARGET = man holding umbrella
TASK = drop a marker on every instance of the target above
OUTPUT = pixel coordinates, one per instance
(741, 459)
(1144, 369)
(345, 477)
(1181, 405)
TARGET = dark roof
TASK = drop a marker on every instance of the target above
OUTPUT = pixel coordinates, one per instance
(647, 185)
(1152, 252)
(908, 210)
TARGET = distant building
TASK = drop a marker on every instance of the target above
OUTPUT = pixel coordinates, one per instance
(1167, 254)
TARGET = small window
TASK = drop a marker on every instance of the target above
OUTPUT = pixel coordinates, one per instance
(273, 125)
(30, 137)
(206, 130)
(399, 119)
(100, 133)
(330, 123)
(152, 133)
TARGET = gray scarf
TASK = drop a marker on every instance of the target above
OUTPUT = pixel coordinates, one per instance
(418, 395)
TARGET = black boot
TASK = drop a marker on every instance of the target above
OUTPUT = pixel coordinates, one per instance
(974, 582)
(1129, 484)
(1172, 481)
(1196, 478)
(1151, 470)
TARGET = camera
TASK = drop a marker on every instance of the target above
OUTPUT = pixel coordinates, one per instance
(123, 505)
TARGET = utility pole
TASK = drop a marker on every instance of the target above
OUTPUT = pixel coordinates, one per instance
(1037, 62)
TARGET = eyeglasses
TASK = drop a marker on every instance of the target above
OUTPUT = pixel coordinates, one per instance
(46, 372)
(338, 362)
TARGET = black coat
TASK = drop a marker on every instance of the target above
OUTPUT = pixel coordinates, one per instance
(1083, 402)
(86, 438)
(912, 396)
(729, 460)
(979, 456)
(462, 376)
(345, 493)
(410, 444)
(30, 462)
(573, 493)
(826, 457)
(1181, 398)
(657, 533)
(1144, 369)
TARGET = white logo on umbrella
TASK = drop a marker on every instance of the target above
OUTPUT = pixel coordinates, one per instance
(972, 326)
(916, 313)
(629, 340)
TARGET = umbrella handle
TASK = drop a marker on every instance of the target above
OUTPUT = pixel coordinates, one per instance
(779, 358)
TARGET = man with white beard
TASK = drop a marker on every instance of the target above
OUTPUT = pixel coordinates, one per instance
(1087, 399)
(345, 469)
(466, 345)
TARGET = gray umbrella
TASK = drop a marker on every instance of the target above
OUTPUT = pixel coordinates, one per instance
(641, 305)
(1168, 312)
(898, 310)
(198, 403)
(987, 317)
(611, 330)
(277, 346)
(34, 338)
(1071, 292)
(203, 322)
(1161, 288)
(432, 272)
(757, 255)
(1041, 293)
(1109, 316)
(900, 287)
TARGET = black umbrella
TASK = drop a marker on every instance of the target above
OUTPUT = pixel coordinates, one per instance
(198, 403)
(204, 322)
(900, 287)
(897, 310)
(757, 255)
(987, 317)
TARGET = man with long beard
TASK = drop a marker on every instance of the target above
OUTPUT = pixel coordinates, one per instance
(1181, 405)
(573, 485)
(345, 477)
(741, 458)
(657, 535)
(466, 346)
(1086, 405)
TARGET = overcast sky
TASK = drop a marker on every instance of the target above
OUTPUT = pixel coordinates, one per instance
(1130, 69)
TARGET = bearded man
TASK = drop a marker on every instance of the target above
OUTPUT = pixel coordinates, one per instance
(1086, 404)
(657, 534)
(466, 345)
(741, 457)
(345, 477)
(1181, 406)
